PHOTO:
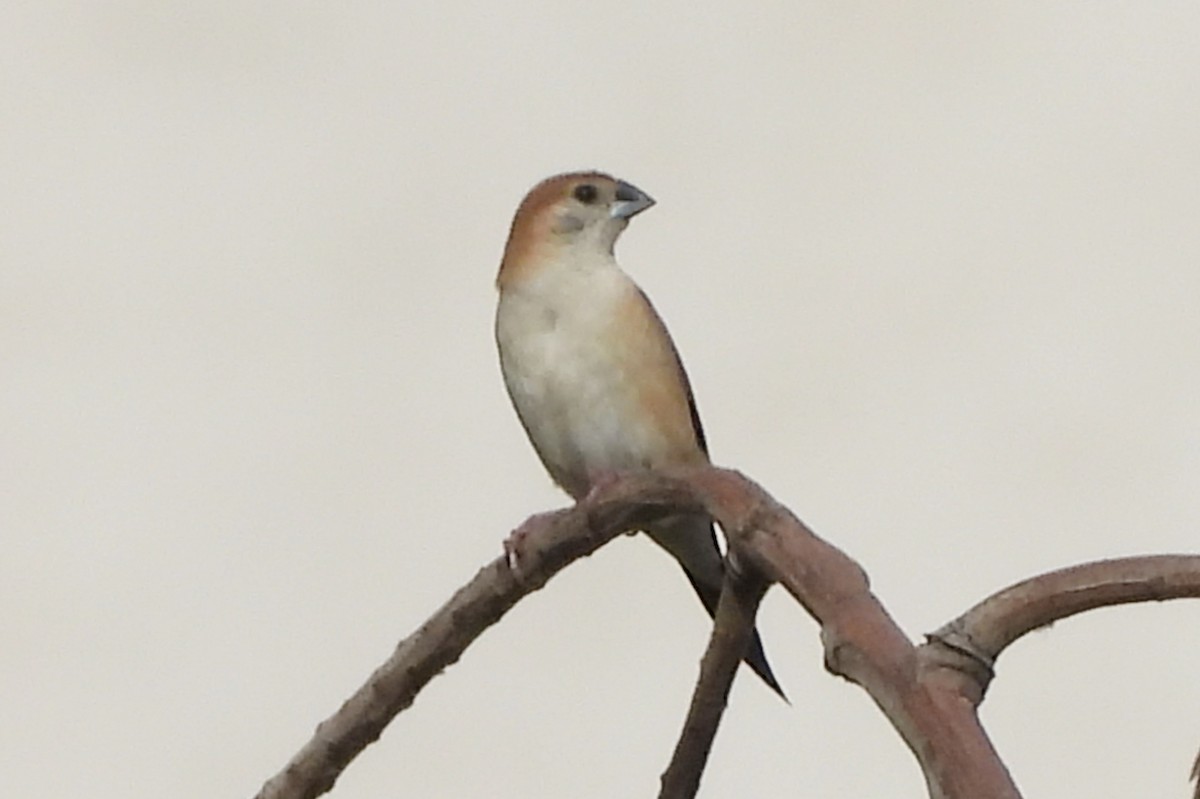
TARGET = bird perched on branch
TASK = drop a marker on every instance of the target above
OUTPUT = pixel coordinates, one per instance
(590, 367)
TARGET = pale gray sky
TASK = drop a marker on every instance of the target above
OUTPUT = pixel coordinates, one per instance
(933, 269)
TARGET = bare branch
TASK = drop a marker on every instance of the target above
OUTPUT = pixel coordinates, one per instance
(733, 627)
(928, 693)
(986, 629)
(862, 643)
(1196, 777)
(552, 543)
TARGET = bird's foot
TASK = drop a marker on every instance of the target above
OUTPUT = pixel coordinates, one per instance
(514, 545)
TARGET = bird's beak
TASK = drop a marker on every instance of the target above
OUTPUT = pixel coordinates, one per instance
(630, 201)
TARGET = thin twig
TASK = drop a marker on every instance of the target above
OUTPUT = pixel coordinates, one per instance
(733, 628)
(1196, 777)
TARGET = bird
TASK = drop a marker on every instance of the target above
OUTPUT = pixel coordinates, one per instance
(591, 370)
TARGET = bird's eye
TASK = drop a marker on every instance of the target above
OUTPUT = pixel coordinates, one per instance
(586, 193)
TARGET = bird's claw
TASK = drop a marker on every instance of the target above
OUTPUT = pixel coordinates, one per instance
(514, 544)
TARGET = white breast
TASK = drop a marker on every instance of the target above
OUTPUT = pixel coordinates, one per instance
(573, 394)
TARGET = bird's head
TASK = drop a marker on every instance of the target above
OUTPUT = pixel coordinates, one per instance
(579, 214)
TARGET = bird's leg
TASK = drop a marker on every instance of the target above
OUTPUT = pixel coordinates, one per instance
(600, 481)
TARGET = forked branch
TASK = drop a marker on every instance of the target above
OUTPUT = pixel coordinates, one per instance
(929, 693)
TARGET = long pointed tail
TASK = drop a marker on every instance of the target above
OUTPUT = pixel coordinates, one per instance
(755, 657)
(692, 541)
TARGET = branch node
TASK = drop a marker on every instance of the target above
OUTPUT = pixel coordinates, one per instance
(952, 648)
(835, 649)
